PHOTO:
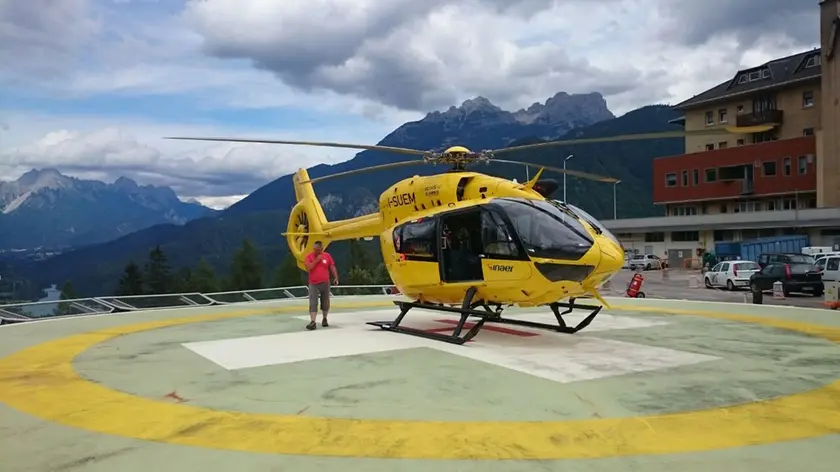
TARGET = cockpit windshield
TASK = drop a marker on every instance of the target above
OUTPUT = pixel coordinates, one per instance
(591, 220)
(545, 230)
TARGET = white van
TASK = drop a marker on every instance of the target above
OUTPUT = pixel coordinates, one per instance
(830, 268)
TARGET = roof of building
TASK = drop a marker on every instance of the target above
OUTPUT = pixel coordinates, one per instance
(776, 73)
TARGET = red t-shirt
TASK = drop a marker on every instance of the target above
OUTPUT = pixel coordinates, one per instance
(321, 272)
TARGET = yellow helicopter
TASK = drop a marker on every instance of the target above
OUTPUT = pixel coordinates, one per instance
(459, 241)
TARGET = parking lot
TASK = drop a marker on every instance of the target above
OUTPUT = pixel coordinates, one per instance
(679, 285)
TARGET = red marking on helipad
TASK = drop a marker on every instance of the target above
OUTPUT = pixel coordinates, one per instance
(174, 396)
(496, 329)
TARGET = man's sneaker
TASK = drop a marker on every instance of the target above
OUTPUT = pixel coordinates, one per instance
(324, 323)
(311, 325)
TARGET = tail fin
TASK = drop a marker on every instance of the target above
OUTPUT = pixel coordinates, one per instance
(308, 224)
(307, 220)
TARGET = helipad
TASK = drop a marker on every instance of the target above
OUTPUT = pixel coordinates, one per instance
(651, 385)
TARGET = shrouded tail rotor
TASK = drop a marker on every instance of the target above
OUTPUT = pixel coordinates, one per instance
(307, 220)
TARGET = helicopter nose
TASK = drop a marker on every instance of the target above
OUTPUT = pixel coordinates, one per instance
(612, 258)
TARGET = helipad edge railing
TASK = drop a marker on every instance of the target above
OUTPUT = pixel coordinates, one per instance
(32, 311)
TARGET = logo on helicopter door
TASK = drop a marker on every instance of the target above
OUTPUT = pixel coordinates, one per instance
(501, 268)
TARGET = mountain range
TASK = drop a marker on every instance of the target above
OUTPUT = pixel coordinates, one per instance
(45, 208)
(476, 123)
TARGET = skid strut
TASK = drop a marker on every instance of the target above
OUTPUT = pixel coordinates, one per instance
(487, 315)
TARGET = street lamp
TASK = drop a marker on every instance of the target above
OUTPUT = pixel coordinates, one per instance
(564, 176)
(615, 205)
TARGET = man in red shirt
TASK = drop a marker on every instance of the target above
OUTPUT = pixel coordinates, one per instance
(319, 265)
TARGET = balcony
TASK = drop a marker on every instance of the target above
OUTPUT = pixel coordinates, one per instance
(765, 117)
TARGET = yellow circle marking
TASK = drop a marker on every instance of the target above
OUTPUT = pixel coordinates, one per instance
(42, 382)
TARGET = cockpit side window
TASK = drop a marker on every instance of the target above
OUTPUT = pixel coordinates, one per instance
(496, 237)
(545, 230)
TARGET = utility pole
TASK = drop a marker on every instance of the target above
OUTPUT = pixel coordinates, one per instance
(615, 200)
(564, 176)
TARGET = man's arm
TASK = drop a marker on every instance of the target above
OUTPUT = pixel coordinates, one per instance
(310, 262)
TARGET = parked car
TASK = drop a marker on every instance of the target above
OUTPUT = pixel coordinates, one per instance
(784, 258)
(794, 276)
(731, 274)
(645, 262)
(830, 268)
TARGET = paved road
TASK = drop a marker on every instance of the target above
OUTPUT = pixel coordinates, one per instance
(679, 286)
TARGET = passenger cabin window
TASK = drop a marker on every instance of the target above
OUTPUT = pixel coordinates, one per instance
(545, 230)
(417, 240)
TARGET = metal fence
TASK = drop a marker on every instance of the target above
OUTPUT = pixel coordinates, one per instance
(21, 312)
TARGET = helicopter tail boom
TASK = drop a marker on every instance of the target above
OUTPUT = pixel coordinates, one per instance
(308, 223)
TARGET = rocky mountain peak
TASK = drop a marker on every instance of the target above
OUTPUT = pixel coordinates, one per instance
(564, 107)
(37, 179)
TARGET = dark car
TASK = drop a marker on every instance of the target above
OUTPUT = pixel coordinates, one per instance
(795, 277)
(784, 258)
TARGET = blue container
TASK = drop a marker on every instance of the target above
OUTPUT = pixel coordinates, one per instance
(750, 250)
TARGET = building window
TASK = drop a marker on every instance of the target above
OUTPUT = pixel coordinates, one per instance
(685, 236)
(655, 237)
(772, 205)
(711, 175)
(724, 208)
(769, 168)
(722, 115)
(671, 180)
(723, 145)
(695, 177)
(710, 118)
(786, 166)
(813, 61)
(724, 235)
(788, 204)
(808, 131)
(710, 147)
(684, 210)
(685, 178)
(740, 109)
(740, 142)
(747, 207)
(802, 162)
(807, 99)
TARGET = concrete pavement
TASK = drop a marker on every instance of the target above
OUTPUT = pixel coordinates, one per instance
(651, 385)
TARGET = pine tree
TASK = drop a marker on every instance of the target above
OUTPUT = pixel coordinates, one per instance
(183, 281)
(246, 271)
(381, 275)
(67, 293)
(158, 274)
(204, 278)
(131, 283)
(358, 256)
(288, 274)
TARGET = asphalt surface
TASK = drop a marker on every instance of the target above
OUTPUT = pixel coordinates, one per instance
(678, 285)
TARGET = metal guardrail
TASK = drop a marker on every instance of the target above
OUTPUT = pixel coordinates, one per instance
(32, 311)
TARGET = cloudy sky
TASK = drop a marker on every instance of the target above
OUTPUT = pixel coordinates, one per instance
(91, 86)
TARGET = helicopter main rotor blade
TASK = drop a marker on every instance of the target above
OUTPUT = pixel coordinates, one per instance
(398, 150)
(576, 173)
(391, 165)
(623, 137)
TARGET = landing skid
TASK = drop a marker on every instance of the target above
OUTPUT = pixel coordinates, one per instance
(488, 315)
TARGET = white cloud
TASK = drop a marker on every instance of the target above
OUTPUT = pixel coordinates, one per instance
(381, 62)
(136, 149)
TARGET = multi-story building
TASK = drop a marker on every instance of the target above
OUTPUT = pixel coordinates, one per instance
(762, 157)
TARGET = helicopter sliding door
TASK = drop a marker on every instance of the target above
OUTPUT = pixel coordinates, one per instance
(461, 246)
